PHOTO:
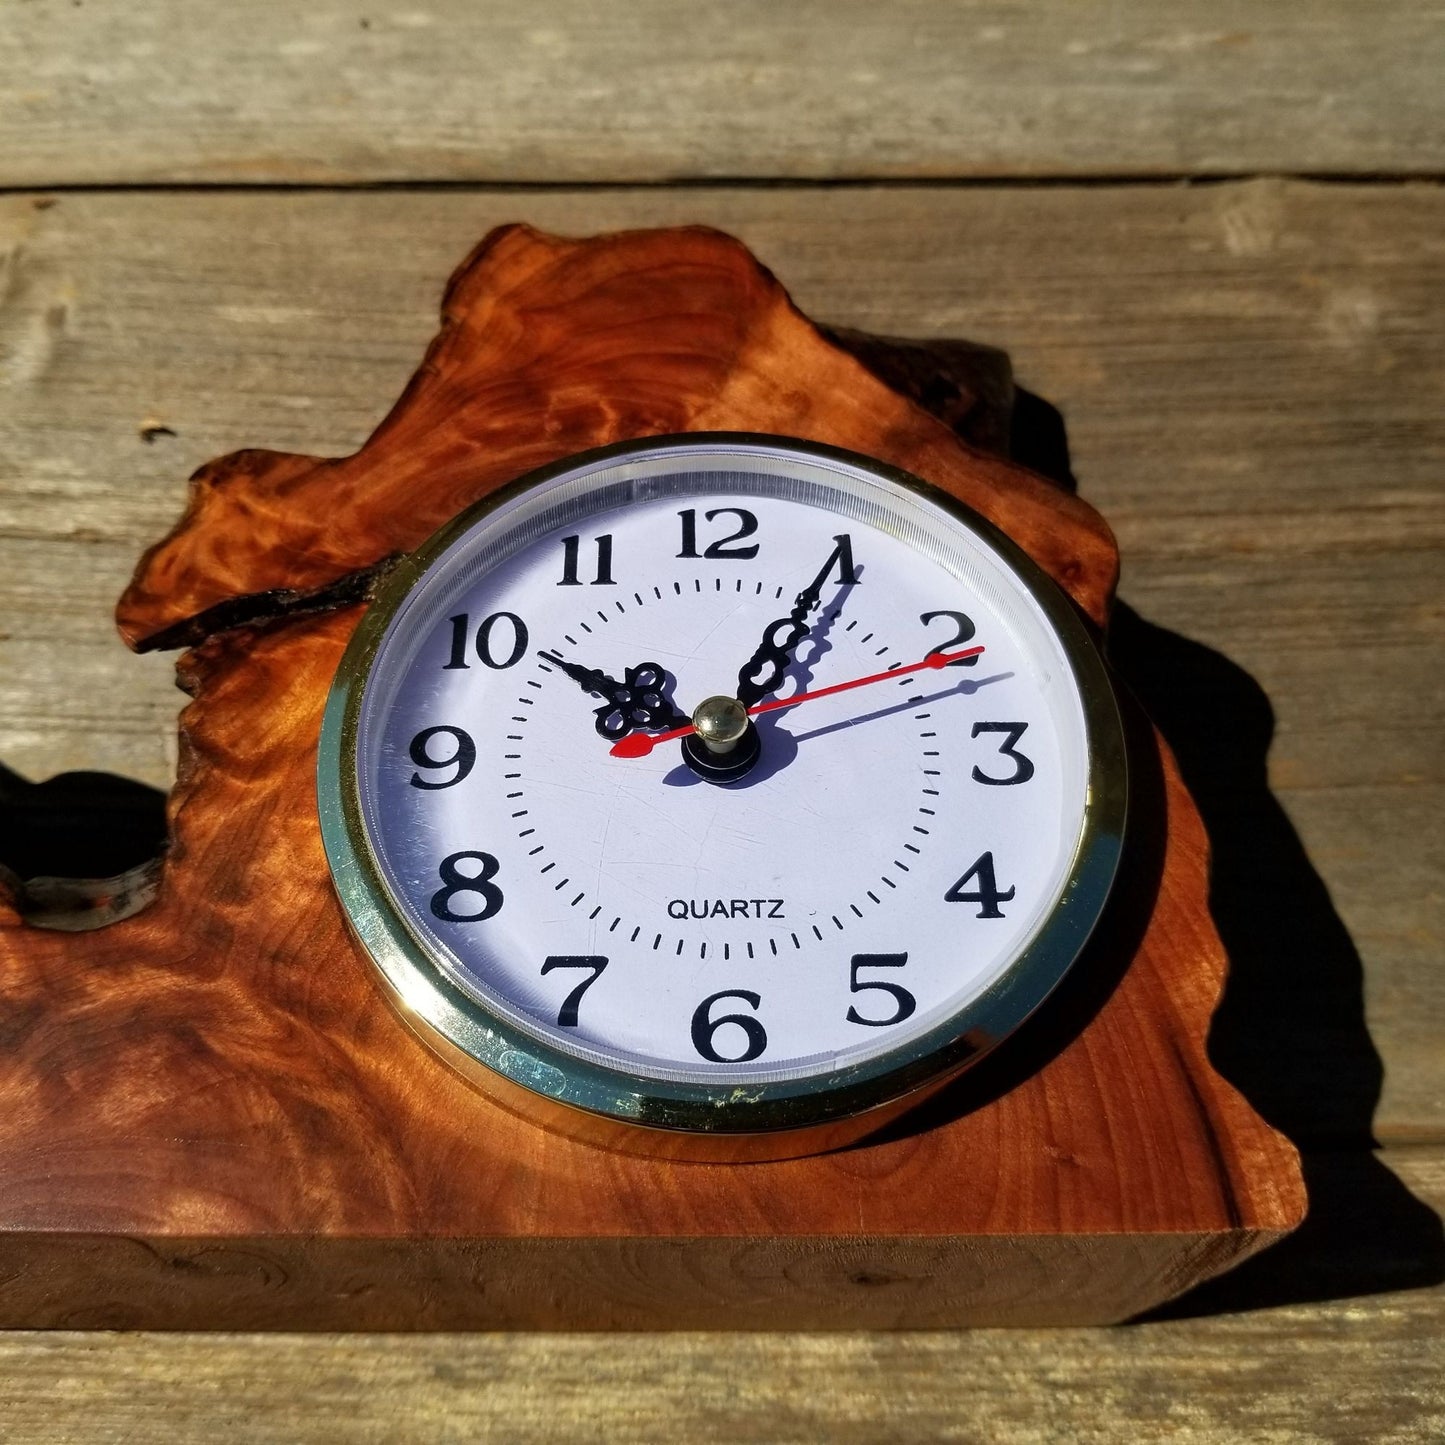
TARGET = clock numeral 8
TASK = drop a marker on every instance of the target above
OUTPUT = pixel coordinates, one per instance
(457, 882)
(704, 1027)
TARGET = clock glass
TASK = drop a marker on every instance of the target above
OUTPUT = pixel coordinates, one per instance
(721, 784)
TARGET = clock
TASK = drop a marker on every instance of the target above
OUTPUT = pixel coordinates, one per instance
(720, 794)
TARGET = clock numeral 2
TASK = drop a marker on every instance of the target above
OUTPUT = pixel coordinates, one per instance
(905, 1000)
(704, 1026)
(567, 1014)
(986, 895)
(1023, 767)
(456, 882)
(571, 546)
(461, 624)
(723, 548)
(963, 631)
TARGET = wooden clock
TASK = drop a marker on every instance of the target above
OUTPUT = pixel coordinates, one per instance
(656, 844)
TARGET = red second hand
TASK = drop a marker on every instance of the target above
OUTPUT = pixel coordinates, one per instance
(638, 745)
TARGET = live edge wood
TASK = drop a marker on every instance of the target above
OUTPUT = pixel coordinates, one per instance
(209, 1117)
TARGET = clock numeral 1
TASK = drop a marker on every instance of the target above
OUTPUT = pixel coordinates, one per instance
(986, 895)
(455, 882)
(461, 625)
(571, 547)
(905, 1000)
(723, 548)
(1023, 767)
(704, 1026)
(567, 1014)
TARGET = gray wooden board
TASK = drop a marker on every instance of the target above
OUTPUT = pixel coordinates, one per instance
(1371, 1368)
(1250, 374)
(341, 91)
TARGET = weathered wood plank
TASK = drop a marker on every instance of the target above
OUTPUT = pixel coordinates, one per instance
(344, 91)
(1252, 382)
(1369, 1370)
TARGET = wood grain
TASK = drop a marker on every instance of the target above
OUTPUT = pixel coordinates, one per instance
(1255, 400)
(573, 92)
(1365, 1369)
(215, 1085)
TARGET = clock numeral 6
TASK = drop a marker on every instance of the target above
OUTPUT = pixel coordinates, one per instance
(567, 1014)
(704, 1026)
(905, 1000)
(456, 882)
(1023, 767)
(463, 757)
(986, 895)
(461, 625)
(963, 631)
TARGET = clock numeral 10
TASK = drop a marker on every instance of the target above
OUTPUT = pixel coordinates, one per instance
(512, 626)
(571, 547)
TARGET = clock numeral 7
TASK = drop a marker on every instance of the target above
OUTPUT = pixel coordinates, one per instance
(567, 1014)
(905, 1000)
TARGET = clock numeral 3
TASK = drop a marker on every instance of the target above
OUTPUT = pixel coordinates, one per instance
(723, 548)
(567, 1014)
(1023, 767)
(905, 1000)
(456, 882)
(571, 546)
(461, 624)
(986, 895)
(963, 631)
(704, 1026)
(463, 757)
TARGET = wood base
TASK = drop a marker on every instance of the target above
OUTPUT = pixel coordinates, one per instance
(211, 1118)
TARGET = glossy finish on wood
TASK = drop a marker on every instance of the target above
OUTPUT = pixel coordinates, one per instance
(217, 1086)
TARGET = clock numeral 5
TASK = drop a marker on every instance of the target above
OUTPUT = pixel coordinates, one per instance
(722, 549)
(456, 882)
(704, 1026)
(461, 625)
(986, 895)
(463, 757)
(567, 1014)
(1023, 767)
(905, 1001)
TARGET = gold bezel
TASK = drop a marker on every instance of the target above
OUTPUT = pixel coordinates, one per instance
(681, 1118)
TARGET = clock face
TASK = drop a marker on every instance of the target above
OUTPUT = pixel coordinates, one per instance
(883, 843)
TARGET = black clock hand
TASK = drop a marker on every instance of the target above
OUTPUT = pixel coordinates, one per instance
(636, 702)
(763, 672)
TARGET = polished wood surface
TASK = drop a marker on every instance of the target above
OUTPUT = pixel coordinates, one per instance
(219, 1073)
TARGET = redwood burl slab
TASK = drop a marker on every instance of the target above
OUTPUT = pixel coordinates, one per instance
(210, 1115)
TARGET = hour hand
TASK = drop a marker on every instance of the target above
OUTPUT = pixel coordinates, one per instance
(638, 701)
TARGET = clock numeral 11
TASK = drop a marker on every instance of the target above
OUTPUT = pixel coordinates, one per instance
(571, 548)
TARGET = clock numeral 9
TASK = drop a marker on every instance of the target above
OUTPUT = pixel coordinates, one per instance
(963, 631)
(986, 895)
(704, 1026)
(905, 1001)
(567, 1014)
(456, 882)
(461, 624)
(571, 547)
(463, 757)
(1023, 767)
(723, 548)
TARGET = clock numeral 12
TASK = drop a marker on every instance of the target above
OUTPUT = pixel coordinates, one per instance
(723, 548)
(567, 1014)
(571, 547)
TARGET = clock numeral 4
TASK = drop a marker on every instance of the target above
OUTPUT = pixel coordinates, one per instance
(704, 1027)
(571, 548)
(567, 1014)
(723, 548)
(986, 895)
(904, 1001)
(463, 757)
(456, 883)
(963, 631)
(1023, 767)
(512, 626)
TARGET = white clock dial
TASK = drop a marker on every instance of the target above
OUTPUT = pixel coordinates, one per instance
(869, 883)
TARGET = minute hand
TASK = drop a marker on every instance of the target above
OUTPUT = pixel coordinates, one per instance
(774, 652)
(640, 744)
